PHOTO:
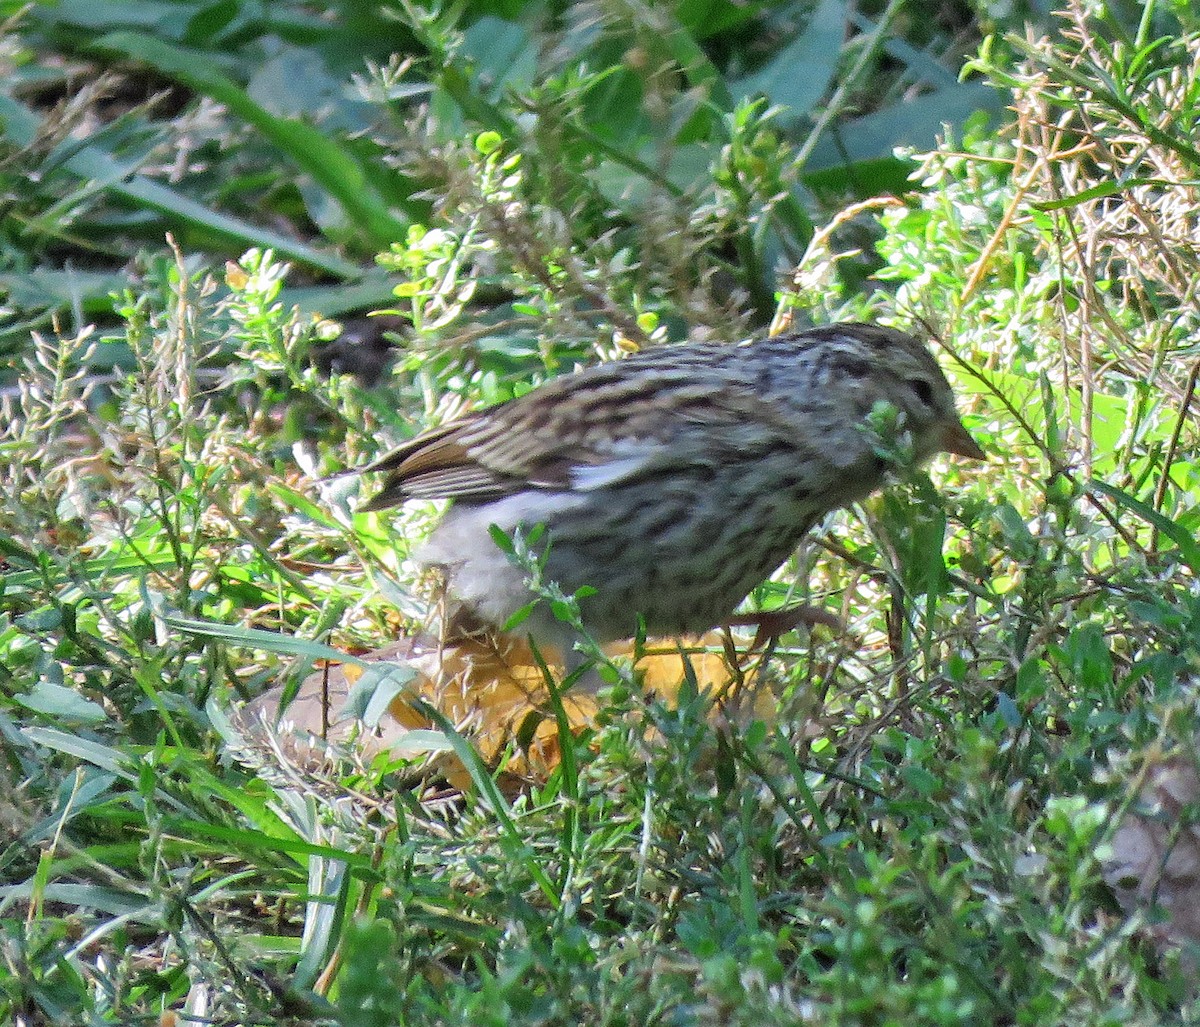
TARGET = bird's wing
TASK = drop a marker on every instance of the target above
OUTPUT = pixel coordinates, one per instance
(583, 434)
(493, 454)
(435, 465)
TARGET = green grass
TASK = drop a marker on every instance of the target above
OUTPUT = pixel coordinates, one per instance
(916, 834)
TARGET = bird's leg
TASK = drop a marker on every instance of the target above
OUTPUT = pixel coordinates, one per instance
(773, 623)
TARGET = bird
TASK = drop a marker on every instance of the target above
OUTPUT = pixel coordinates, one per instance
(673, 481)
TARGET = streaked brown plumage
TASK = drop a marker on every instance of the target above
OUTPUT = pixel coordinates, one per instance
(673, 481)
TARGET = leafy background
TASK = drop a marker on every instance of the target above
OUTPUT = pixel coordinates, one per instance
(915, 831)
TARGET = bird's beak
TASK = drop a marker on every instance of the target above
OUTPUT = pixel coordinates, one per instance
(956, 440)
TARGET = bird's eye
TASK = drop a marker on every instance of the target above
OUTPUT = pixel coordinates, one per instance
(923, 390)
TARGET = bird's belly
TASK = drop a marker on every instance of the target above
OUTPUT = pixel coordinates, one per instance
(681, 552)
(682, 567)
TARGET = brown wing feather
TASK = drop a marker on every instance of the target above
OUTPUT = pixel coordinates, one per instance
(543, 439)
(435, 465)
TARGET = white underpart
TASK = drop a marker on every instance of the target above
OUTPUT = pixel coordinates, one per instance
(481, 574)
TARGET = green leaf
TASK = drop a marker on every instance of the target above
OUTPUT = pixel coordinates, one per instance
(504, 56)
(1017, 536)
(329, 164)
(489, 794)
(373, 290)
(88, 896)
(1189, 551)
(49, 288)
(1110, 188)
(305, 505)
(61, 702)
(103, 756)
(502, 539)
(799, 74)
(518, 618)
(99, 167)
(1010, 713)
(254, 638)
(914, 123)
(372, 694)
